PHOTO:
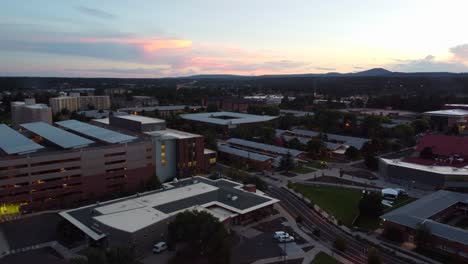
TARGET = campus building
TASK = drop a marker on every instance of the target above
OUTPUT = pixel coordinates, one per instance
(162, 111)
(444, 213)
(28, 111)
(141, 220)
(231, 104)
(440, 161)
(448, 119)
(75, 102)
(177, 153)
(336, 144)
(44, 166)
(257, 155)
(225, 121)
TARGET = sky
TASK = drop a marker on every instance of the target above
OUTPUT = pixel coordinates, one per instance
(167, 38)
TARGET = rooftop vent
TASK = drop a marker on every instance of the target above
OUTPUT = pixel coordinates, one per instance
(234, 198)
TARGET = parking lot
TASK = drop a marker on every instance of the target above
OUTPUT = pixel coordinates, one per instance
(258, 243)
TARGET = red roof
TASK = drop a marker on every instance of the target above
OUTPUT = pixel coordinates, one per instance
(445, 145)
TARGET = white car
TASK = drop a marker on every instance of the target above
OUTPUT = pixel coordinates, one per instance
(159, 247)
(286, 239)
(279, 234)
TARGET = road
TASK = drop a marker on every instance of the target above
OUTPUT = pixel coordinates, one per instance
(356, 250)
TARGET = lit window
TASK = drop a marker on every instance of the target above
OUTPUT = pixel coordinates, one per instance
(163, 147)
(189, 164)
(163, 155)
(163, 163)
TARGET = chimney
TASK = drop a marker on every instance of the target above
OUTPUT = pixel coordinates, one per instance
(250, 188)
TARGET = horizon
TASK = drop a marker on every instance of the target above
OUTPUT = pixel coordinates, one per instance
(114, 39)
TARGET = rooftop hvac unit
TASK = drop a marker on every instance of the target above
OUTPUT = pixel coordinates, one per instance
(234, 198)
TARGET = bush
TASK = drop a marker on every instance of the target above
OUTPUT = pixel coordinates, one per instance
(371, 162)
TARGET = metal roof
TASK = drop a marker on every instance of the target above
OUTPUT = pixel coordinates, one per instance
(448, 112)
(420, 210)
(356, 142)
(243, 153)
(95, 132)
(56, 135)
(160, 108)
(155, 206)
(234, 118)
(12, 142)
(266, 147)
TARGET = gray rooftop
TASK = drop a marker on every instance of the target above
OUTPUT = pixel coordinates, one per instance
(419, 211)
(243, 153)
(227, 118)
(159, 108)
(222, 191)
(95, 132)
(356, 142)
(56, 135)
(448, 112)
(266, 147)
(12, 142)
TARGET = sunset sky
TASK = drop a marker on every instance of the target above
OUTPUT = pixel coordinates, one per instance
(159, 38)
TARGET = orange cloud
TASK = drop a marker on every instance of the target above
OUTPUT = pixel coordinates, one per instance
(148, 45)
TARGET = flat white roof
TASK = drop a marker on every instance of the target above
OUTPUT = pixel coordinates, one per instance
(142, 119)
(141, 209)
(448, 112)
(173, 133)
(234, 118)
(132, 220)
(433, 169)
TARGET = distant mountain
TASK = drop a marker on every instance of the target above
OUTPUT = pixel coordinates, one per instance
(376, 72)
(373, 72)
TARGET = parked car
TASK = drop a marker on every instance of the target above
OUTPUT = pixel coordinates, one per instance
(279, 234)
(159, 247)
(286, 239)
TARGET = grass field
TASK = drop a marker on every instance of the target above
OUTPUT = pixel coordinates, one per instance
(340, 202)
(323, 258)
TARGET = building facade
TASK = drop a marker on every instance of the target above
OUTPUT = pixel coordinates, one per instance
(28, 111)
(108, 223)
(56, 177)
(77, 103)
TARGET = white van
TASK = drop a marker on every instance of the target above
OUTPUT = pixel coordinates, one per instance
(159, 247)
(279, 234)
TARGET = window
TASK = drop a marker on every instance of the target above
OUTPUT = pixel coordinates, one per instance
(163, 147)
(212, 160)
(163, 163)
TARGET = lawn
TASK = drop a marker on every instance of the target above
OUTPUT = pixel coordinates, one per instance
(340, 202)
(323, 258)
(302, 170)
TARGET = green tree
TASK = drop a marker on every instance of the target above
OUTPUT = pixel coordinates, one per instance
(205, 237)
(371, 162)
(295, 144)
(352, 153)
(212, 108)
(121, 255)
(422, 236)
(287, 162)
(420, 125)
(370, 204)
(405, 133)
(315, 147)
